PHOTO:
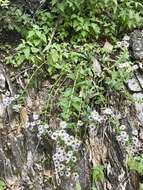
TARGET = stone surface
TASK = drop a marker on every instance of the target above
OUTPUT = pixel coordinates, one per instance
(135, 84)
(27, 162)
(139, 105)
(2, 79)
(139, 77)
(136, 44)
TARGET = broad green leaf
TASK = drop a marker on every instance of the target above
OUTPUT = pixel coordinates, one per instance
(34, 50)
(68, 92)
(26, 52)
(38, 33)
(55, 55)
(31, 34)
(43, 37)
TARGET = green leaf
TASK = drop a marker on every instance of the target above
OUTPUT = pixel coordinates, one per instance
(36, 42)
(93, 188)
(43, 37)
(21, 46)
(76, 103)
(68, 92)
(61, 7)
(34, 50)
(78, 186)
(98, 174)
(141, 186)
(38, 33)
(54, 2)
(116, 4)
(2, 185)
(27, 52)
(31, 34)
(55, 55)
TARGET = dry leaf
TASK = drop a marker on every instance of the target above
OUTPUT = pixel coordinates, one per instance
(108, 46)
(23, 115)
(48, 173)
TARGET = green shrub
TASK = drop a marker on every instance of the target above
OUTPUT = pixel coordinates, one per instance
(63, 42)
(136, 164)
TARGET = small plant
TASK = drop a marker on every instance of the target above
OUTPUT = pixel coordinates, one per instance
(141, 186)
(78, 187)
(2, 185)
(97, 173)
(66, 151)
(97, 176)
(136, 164)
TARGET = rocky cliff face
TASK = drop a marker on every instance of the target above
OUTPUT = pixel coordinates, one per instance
(27, 146)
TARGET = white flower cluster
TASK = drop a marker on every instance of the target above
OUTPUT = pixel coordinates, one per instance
(62, 159)
(107, 111)
(66, 151)
(62, 135)
(67, 147)
(16, 108)
(96, 118)
(130, 143)
(65, 156)
(7, 100)
(135, 142)
(124, 65)
(43, 130)
(123, 137)
(4, 3)
(124, 43)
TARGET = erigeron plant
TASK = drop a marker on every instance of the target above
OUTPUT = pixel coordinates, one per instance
(135, 163)
(96, 119)
(65, 155)
(136, 145)
(124, 43)
(130, 143)
(123, 137)
(7, 100)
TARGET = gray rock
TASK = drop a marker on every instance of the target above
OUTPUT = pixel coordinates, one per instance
(136, 44)
(2, 79)
(133, 85)
(139, 106)
(96, 67)
(140, 79)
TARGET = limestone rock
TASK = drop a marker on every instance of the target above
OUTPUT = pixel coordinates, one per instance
(135, 84)
(2, 79)
(136, 44)
(139, 106)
